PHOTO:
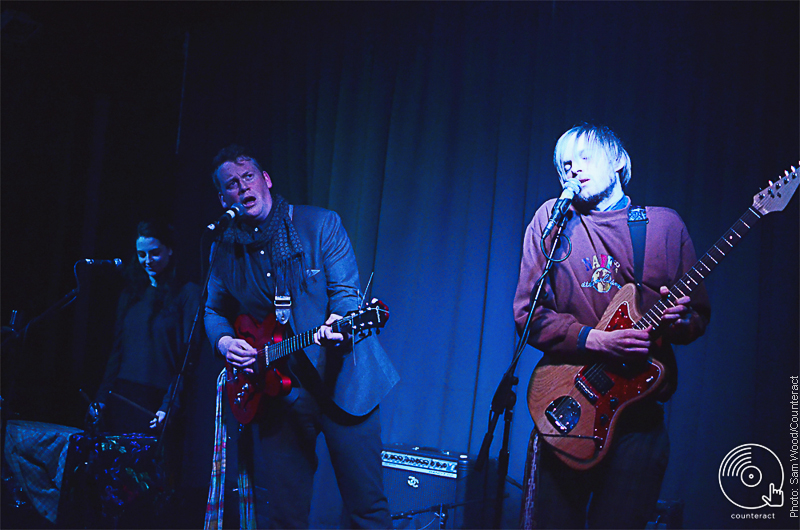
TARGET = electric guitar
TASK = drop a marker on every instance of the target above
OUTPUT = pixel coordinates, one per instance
(576, 408)
(245, 389)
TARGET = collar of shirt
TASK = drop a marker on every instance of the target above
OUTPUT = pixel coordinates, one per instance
(620, 204)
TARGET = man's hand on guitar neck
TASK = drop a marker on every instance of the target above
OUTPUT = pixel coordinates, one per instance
(325, 336)
(630, 344)
(237, 352)
(681, 324)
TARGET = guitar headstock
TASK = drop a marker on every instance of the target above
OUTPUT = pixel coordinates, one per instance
(777, 195)
(373, 316)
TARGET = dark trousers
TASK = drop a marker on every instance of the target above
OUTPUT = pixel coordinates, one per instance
(620, 492)
(285, 460)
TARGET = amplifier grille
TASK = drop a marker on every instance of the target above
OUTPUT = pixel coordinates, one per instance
(420, 463)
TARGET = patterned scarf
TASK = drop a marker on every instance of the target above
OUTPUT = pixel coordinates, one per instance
(280, 238)
(528, 512)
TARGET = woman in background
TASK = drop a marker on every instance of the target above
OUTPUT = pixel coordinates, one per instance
(154, 319)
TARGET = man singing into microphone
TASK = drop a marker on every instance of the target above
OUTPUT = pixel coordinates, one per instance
(622, 490)
(301, 258)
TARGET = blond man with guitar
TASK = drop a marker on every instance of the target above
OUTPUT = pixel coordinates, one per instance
(605, 448)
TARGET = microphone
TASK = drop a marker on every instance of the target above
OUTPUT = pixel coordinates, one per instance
(571, 188)
(116, 262)
(230, 214)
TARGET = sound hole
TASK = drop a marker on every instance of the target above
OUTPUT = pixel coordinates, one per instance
(564, 414)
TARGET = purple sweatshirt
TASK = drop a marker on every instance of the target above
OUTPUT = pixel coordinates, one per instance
(580, 288)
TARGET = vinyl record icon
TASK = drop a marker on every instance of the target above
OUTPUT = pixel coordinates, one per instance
(751, 477)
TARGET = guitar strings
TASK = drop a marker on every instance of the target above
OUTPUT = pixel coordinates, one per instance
(289, 345)
(297, 342)
(655, 314)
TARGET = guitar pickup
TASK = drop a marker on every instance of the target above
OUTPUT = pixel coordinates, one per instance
(585, 389)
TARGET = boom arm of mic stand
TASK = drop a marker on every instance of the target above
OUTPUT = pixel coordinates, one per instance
(504, 398)
(60, 304)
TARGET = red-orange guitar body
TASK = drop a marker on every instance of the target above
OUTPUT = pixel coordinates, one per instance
(245, 389)
(576, 408)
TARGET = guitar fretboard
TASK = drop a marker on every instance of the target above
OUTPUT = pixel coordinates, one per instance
(273, 352)
(700, 270)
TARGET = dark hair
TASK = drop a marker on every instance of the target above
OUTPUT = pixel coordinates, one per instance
(157, 229)
(233, 153)
(136, 279)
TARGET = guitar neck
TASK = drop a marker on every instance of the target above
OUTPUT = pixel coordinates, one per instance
(700, 270)
(295, 343)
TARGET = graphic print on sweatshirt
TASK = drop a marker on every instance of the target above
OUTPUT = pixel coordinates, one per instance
(602, 267)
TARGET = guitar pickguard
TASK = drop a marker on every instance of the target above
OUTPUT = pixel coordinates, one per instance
(621, 319)
(608, 388)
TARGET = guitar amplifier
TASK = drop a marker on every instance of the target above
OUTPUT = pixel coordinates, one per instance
(425, 486)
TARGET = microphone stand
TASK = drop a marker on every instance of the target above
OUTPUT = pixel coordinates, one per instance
(15, 334)
(222, 224)
(63, 302)
(504, 397)
(178, 380)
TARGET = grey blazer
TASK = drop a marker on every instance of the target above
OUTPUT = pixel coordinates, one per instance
(355, 377)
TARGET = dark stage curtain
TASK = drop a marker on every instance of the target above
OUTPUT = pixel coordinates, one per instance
(430, 129)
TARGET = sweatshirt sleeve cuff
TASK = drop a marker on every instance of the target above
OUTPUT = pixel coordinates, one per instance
(582, 335)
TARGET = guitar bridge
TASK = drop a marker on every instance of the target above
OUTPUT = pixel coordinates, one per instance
(563, 414)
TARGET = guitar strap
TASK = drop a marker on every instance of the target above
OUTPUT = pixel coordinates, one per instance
(283, 306)
(637, 223)
(216, 487)
(283, 302)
